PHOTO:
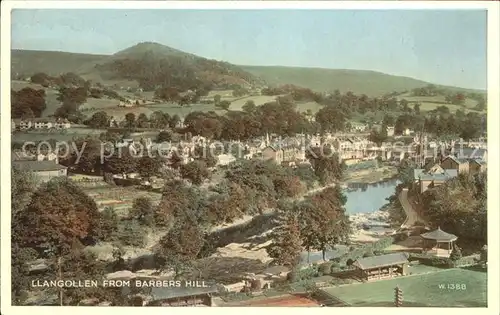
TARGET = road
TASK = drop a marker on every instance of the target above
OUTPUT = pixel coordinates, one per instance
(411, 215)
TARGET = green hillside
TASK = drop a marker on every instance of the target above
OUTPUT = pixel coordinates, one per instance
(28, 62)
(153, 63)
(370, 83)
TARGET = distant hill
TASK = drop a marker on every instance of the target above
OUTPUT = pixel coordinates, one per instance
(371, 83)
(28, 62)
(151, 64)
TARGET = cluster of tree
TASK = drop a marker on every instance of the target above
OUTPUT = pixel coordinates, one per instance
(266, 181)
(27, 103)
(239, 91)
(154, 72)
(68, 79)
(428, 90)
(327, 165)
(441, 122)
(157, 120)
(456, 99)
(459, 206)
(317, 223)
(62, 220)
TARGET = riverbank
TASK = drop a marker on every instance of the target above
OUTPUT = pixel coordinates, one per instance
(370, 175)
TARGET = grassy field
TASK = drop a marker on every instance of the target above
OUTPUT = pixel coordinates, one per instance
(420, 290)
(370, 83)
(258, 100)
(313, 106)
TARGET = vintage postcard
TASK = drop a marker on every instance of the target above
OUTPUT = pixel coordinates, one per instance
(249, 155)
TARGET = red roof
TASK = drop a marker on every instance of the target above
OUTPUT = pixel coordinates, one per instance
(288, 300)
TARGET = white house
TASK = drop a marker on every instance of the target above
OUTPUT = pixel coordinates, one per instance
(225, 159)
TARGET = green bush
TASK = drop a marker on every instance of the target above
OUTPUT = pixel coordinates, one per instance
(368, 254)
(456, 253)
(325, 269)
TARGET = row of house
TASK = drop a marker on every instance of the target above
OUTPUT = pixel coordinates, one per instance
(39, 123)
(436, 174)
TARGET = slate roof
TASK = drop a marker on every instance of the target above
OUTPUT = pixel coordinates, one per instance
(164, 293)
(381, 261)
(37, 166)
(471, 153)
(422, 175)
(276, 270)
(439, 235)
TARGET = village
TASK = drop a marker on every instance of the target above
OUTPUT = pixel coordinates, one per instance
(439, 162)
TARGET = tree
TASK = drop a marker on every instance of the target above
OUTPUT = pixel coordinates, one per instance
(142, 121)
(378, 136)
(142, 210)
(249, 107)
(99, 120)
(224, 104)
(23, 185)
(323, 220)
(108, 224)
(456, 253)
(20, 272)
(286, 247)
(182, 244)
(59, 215)
(121, 162)
(179, 199)
(331, 119)
(174, 121)
(326, 164)
(40, 78)
(131, 234)
(416, 108)
(164, 136)
(217, 99)
(27, 103)
(130, 120)
(149, 166)
(195, 171)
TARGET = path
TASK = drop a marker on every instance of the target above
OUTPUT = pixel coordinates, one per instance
(411, 215)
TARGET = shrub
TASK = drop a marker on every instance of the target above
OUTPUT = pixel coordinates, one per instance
(456, 253)
(325, 269)
(378, 252)
(349, 262)
(368, 254)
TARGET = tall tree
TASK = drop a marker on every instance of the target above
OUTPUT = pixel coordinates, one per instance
(59, 215)
(286, 247)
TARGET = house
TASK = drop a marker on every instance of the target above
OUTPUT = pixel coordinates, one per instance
(472, 153)
(427, 178)
(43, 170)
(358, 127)
(225, 159)
(390, 131)
(407, 132)
(272, 153)
(382, 267)
(40, 123)
(179, 296)
(452, 163)
(477, 166)
(22, 124)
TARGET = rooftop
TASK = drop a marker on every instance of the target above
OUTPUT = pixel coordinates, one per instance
(381, 261)
(286, 300)
(439, 235)
(37, 166)
(423, 175)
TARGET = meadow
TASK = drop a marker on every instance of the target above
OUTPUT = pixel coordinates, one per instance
(420, 290)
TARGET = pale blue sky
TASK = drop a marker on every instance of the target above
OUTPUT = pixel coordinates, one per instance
(444, 47)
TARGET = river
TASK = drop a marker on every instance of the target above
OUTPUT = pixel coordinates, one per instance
(365, 198)
(361, 198)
